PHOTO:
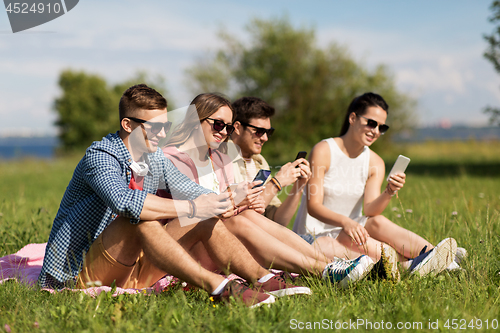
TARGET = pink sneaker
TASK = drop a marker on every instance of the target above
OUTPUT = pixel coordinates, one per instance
(239, 292)
(277, 286)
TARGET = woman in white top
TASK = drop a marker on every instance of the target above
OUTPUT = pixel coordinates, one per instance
(346, 179)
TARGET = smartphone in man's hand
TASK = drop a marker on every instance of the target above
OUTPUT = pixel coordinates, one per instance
(300, 154)
(262, 175)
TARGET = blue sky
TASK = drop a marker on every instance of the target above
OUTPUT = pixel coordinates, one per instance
(433, 48)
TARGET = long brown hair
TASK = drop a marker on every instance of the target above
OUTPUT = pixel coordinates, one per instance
(201, 108)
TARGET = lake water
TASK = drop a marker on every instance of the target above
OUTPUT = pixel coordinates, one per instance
(39, 147)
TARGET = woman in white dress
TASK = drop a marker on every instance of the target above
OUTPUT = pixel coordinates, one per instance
(346, 180)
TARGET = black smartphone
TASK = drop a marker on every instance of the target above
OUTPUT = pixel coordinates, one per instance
(301, 154)
(262, 175)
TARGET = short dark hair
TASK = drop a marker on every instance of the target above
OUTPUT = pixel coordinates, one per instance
(360, 104)
(138, 97)
(247, 108)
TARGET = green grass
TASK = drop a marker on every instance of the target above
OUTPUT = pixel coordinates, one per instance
(434, 203)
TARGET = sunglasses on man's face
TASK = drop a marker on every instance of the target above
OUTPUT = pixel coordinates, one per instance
(219, 125)
(382, 128)
(155, 127)
(260, 131)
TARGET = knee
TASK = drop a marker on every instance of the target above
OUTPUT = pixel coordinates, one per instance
(378, 222)
(239, 225)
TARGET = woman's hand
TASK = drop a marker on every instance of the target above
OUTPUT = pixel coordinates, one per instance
(356, 232)
(258, 204)
(395, 183)
(245, 193)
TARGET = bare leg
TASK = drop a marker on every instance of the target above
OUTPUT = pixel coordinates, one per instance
(332, 248)
(269, 251)
(124, 242)
(225, 250)
(406, 242)
(285, 235)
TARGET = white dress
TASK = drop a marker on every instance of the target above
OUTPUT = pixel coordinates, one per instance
(344, 189)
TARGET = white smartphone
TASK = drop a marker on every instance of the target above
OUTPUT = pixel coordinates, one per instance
(232, 186)
(400, 166)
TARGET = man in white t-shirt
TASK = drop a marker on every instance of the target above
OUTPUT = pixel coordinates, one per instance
(252, 130)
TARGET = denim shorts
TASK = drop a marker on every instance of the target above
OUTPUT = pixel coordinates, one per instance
(308, 238)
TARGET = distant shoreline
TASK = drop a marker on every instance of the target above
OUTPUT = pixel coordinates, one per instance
(46, 146)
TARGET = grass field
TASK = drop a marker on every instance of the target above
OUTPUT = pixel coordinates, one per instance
(447, 194)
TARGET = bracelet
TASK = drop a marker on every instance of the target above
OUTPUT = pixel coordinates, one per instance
(388, 188)
(192, 207)
(276, 183)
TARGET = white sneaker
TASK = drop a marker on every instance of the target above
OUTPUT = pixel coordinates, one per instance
(459, 257)
(435, 260)
(344, 272)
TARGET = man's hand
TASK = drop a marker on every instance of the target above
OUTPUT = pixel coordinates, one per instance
(290, 172)
(305, 174)
(210, 205)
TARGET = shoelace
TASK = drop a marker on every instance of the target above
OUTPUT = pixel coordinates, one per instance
(344, 265)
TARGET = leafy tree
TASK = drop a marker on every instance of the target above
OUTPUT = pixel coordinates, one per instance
(493, 55)
(310, 87)
(88, 107)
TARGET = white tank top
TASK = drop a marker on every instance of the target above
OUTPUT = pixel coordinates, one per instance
(344, 189)
(207, 177)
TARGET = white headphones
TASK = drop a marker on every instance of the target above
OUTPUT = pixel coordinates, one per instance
(139, 168)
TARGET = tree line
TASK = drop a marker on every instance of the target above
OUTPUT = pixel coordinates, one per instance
(309, 86)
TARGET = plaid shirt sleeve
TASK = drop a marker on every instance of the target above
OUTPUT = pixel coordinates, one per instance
(102, 172)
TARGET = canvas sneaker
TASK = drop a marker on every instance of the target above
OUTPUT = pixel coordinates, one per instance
(459, 257)
(278, 287)
(239, 292)
(387, 267)
(435, 260)
(345, 272)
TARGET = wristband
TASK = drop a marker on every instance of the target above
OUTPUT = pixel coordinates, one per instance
(388, 188)
(276, 183)
(193, 209)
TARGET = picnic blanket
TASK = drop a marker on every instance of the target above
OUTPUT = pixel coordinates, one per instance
(25, 266)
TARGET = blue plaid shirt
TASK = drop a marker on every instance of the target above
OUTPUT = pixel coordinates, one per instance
(99, 192)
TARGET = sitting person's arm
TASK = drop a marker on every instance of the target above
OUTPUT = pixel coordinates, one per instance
(374, 201)
(285, 211)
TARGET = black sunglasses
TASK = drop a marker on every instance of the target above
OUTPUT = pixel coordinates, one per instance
(260, 131)
(219, 125)
(382, 128)
(155, 127)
